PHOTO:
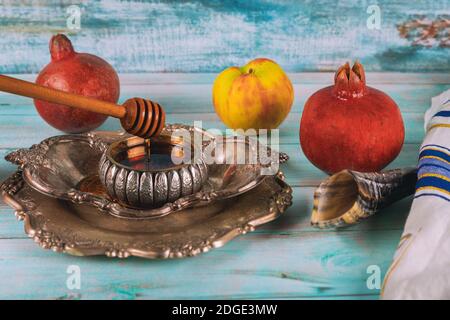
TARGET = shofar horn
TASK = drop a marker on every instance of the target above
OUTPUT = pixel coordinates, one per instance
(349, 196)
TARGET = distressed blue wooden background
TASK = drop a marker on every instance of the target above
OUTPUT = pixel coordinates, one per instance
(207, 36)
(284, 259)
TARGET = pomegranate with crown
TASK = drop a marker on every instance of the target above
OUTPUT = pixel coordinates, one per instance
(80, 73)
(350, 125)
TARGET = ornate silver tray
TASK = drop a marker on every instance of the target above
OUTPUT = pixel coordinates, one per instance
(81, 229)
(66, 167)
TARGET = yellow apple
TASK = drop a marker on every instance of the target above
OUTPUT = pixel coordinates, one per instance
(258, 95)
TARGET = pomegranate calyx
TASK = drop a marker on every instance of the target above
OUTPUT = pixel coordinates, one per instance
(359, 70)
(60, 47)
(350, 82)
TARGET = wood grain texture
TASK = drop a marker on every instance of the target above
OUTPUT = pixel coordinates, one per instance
(288, 130)
(306, 265)
(210, 35)
(187, 98)
(284, 259)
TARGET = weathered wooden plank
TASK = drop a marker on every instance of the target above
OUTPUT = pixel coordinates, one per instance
(33, 129)
(193, 102)
(191, 93)
(302, 266)
(198, 36)
(373, 78)
(193, 98)
(300, 172)
(175, 78)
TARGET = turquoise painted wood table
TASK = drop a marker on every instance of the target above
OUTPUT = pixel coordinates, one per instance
(283, 259)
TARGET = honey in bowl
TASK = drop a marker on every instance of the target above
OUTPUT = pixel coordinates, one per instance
(145, 162)
(151, 157)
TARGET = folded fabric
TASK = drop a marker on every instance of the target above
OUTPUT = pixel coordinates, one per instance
(421, 264)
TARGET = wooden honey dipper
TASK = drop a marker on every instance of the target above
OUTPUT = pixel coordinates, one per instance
(139, 117)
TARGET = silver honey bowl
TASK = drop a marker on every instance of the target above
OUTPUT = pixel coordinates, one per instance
(138, 181)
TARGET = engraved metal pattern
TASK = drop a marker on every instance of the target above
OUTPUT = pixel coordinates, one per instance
(131, 188)
(146, 187)
(161, 186)
(174, 190)
(186, 181)
(150, 189)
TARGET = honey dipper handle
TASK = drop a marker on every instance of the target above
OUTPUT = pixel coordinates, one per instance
(35, 91)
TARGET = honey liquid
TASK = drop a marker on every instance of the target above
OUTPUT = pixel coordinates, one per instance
(149, 160)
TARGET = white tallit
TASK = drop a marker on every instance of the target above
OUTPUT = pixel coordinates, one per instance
(421, 265)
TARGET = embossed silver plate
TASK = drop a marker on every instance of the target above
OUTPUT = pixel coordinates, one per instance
(66, 167)
(82, 230)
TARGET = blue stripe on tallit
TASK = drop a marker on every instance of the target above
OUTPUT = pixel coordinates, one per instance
(434, 153)
(433, 168)
(444, 113)
(433, 182)
(434, 186)
(433, 195)
(434, 162)
(434, 145)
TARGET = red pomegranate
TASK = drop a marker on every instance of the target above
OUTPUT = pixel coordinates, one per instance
(79, 73)
(350, 125)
